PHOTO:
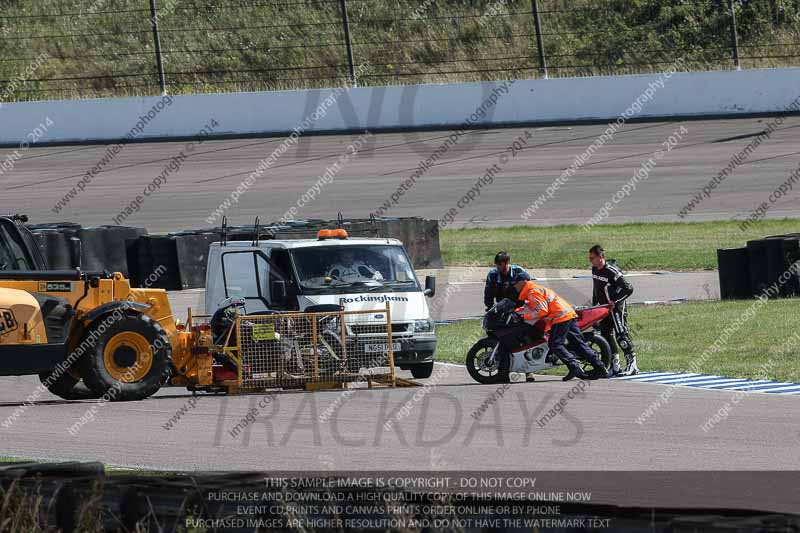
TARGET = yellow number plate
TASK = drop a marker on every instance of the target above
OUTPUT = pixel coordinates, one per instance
(263, 332)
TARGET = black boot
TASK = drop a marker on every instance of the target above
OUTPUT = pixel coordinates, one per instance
(575, 371)
(599, 371)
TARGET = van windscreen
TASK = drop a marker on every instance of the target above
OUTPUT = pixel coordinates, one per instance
(323, 267)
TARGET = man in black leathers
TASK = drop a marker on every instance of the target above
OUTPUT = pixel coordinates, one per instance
(611, 287)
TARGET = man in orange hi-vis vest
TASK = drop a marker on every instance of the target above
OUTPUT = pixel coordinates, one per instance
(542, 303)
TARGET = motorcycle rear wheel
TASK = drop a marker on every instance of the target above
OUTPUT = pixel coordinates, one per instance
(597, 343)
(482, 349)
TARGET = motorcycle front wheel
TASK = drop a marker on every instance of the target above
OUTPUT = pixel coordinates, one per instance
(476, 363)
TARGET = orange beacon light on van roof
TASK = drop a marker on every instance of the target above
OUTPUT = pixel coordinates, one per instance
(332, 234)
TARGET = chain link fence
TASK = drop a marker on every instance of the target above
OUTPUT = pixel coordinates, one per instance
(81, 49)
(293, 350)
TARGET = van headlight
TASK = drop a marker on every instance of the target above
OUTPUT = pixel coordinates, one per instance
(422, 326)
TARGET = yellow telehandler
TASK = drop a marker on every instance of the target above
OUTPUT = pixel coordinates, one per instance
(69, 325)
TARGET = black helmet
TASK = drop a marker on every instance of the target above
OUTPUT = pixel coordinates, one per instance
(521, 276)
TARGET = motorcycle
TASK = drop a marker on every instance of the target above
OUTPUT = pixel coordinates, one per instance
(514, 346)
(290, 340)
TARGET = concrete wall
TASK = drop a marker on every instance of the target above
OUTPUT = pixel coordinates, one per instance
(724, 93)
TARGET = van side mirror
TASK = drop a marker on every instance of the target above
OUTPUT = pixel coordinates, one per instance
(430, 286)
(75, 253)
(278, 291)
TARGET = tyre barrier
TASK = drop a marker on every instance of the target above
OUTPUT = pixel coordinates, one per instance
(53, 240)
(734, 274)
(757, 265)
(782, 252)
(748, 272)
(105, 247)
(155, 253)
(54, 245)
(191, 249)
(180, 257)
(102, 247)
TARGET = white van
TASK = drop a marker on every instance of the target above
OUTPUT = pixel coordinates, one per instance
(357, 273)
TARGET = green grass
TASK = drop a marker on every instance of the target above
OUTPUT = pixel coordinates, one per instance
(640, 246)
(671, 337)
(105, 47)
(4, 459)
(109, 470)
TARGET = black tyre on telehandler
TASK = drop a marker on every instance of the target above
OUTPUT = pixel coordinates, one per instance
(66, 386)
(129, 359)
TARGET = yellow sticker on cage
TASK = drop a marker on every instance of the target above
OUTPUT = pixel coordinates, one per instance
(263, 332)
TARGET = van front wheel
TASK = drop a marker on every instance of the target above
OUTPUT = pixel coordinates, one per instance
(422, 371)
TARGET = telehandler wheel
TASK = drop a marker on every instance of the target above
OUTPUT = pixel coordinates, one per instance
(66, 386)
(130, 360)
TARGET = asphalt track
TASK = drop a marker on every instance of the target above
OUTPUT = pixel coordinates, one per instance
(597, 430)
(211, 171)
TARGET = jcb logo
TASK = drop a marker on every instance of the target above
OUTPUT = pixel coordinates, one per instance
(55, 287)
(8, 322)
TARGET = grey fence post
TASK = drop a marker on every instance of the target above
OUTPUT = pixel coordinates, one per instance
(539, 40)
(162, 82)
(735, 36)
(348, 43)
